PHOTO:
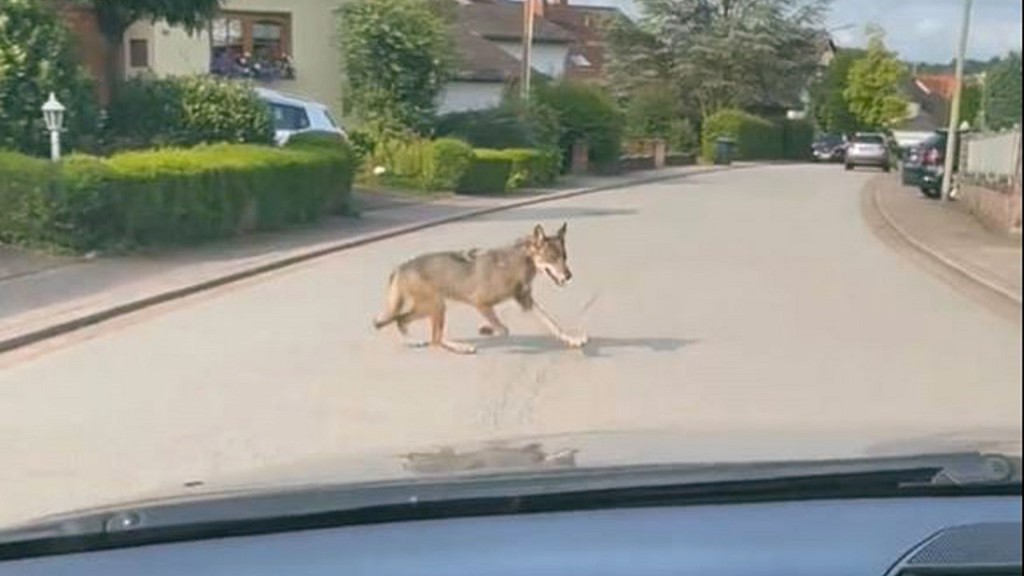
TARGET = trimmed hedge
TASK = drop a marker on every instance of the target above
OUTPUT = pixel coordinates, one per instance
(797, 137)
(185, 111)
(532, 167)
(756, 138)
(513, 124)
(423, 165)
(488, 173)
(170, 196)
(585, 112)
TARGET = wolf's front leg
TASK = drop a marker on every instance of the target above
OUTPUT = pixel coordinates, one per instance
(571, 341)
(494, 326)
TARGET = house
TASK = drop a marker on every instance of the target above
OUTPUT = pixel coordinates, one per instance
(289, 46)
(489, 45)
(586, 23)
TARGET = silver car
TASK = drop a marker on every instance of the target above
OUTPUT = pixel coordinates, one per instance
(294, 115)
(868, 149)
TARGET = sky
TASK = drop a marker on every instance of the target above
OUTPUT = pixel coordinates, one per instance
(920, 30)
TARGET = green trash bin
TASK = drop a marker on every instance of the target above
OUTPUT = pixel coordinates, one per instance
(724, 150)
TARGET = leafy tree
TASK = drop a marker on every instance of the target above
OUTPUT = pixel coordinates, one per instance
(720, 53)
(874, 90)
(397, 56)
(1002, 93)
(970, 102)
(36, 58)
(829, 107)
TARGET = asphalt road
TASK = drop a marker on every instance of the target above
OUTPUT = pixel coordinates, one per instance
(756, 299)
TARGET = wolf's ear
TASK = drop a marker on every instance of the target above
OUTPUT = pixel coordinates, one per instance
(561, 231)
(538, 233)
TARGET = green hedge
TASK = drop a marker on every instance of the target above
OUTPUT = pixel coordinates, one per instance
(797, 137)
(756, 138)
(488, 173)
(532, 167)
(185, 111)
(171, 195)
(513, 124)
(585, 112)
(421, 164)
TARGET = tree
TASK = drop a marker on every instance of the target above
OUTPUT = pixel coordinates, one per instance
(829, 107)
(1002, 93)
(36, 58)
(397, 56)
(874, 90)
(721, 53)
(115, 16)
(970, 102)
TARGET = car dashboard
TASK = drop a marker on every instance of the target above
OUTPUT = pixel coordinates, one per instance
(872, 536)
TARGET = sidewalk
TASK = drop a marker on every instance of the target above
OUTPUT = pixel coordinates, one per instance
(43, 296)
(951, 236)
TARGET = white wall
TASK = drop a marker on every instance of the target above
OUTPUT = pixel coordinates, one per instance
(465, 96)
(546, 58)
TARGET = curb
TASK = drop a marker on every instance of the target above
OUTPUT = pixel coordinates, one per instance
(947, 262)
(96, 317)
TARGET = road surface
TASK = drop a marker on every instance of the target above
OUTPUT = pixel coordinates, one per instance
(755, 299)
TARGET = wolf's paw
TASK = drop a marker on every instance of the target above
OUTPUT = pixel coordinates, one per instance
(458, 347)
(488, 330)
(576, 341)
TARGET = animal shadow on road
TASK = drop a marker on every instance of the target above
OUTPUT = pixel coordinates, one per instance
(596, 347)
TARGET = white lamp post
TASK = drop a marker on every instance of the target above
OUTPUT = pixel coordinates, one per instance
(53, 115)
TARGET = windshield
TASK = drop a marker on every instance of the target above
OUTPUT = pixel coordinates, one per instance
(633, 236)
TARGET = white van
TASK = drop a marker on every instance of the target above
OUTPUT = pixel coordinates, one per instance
(294, 115)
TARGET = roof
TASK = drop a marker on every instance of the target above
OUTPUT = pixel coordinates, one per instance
(503, 20)
(481, 60)
(942, 85)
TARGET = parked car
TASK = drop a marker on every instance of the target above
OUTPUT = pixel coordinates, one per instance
(910, 174)
(868, 149)
(933, 162)
(294, 115)
(828, 148)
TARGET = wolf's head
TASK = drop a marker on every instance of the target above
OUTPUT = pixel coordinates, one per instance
(548, 254)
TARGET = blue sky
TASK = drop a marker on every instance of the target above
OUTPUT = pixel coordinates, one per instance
(920, 30)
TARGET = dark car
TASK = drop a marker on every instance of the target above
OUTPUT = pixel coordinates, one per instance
(933, 162)
(910, 172)
(828, 148)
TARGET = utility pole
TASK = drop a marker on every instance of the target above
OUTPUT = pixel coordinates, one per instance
(527, 67)
(954, 113)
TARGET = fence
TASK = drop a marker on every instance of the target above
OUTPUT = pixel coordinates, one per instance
(990, 178)
(993, 157)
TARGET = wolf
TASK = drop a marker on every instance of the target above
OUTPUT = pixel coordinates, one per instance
(420, 287)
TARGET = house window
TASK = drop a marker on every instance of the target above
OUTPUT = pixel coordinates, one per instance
(251, 45)
(138, 53)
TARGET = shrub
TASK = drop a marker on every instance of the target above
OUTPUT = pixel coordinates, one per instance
(514, 124)
(187, 111)
(488, 173)
(756, 138)
(585, 112)
(532, 167)
(316, 138)
(421, 164)
(449, 161)
(652, 112)
(797, 137)
(171, 195)
(684, 137)
(37, 57)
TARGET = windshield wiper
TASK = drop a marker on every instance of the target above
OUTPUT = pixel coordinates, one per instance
(557, 490)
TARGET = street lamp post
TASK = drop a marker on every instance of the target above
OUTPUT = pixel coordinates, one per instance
(53, 116)
(954, 112)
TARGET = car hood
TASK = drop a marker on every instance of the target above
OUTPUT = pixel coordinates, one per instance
(590, 450)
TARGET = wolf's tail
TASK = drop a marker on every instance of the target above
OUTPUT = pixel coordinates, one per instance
(393, 307)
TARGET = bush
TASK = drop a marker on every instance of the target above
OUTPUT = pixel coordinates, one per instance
(422, 164)
(169, 196)
(532, 167)
(797, 137)
(187, 111)
(756, 138)
(488, 173)
(585, 112)
(514, 124)
(37, 57)
(652, 112)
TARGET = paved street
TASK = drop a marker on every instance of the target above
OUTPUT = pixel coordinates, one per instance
(754, 299)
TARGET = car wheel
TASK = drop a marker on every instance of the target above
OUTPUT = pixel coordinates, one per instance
(930, 192)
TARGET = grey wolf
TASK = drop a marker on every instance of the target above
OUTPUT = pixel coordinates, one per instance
(483, 279)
